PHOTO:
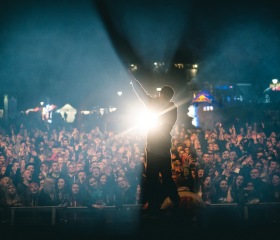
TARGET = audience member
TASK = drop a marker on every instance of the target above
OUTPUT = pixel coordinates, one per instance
(235, 164)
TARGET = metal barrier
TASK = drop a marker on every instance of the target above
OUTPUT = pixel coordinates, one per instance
(33, 215)
(51, 215)
(247, 214)
(262, 212)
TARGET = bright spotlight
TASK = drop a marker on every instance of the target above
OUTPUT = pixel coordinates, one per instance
(112, 109)
(133, 67)
(146, 120)
(85, 112)
(102, 111)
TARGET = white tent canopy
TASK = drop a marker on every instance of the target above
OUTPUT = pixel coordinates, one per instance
(68, 113)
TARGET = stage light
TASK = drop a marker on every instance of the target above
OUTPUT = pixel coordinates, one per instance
(85, 112)
(102, 111)
(146, 120)
(133, 67)
(112, 109)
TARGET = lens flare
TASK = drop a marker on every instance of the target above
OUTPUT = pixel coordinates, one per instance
(146, 120)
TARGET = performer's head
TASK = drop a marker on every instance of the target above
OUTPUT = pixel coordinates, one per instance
(167, 92)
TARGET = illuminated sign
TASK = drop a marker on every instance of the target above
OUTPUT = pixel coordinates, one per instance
(275, 87)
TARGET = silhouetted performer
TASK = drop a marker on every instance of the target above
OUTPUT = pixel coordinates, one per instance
(158, 145)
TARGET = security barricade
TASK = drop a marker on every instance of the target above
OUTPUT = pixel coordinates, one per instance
(44, 215)
(51, 215)
(262, 213)
(211, 214)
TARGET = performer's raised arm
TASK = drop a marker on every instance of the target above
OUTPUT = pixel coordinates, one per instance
(140, 91)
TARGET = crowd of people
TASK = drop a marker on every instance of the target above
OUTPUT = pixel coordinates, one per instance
(72, 167)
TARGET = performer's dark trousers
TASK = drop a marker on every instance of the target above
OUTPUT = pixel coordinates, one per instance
(157, 164)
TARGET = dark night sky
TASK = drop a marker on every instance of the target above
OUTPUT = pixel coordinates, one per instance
(77, 52)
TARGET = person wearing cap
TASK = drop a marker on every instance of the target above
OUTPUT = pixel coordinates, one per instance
(158, 145)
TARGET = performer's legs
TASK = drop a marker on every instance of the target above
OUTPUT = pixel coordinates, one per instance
(168, 184)
(152, 181)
